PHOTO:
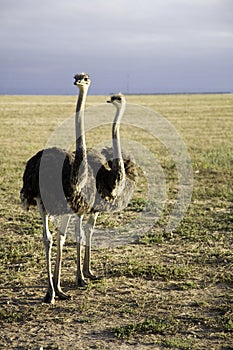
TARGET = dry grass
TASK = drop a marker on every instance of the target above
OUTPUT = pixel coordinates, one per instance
(165, 291)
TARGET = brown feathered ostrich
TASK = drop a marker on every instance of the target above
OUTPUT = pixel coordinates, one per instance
(56, 181)
(116, 176)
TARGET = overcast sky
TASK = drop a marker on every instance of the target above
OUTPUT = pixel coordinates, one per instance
(125, 45)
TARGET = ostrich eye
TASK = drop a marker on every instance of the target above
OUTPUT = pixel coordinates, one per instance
(85, 79)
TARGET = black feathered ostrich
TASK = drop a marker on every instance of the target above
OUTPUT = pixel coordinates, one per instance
(116, 176)
(62, 183)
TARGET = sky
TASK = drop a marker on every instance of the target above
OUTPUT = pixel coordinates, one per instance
(132, 46)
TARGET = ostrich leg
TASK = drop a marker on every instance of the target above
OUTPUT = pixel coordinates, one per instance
(89, 229)
(79, 240)
(61, 237)
(48, 242)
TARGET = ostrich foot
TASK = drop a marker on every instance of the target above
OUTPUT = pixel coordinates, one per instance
(89, 274)
(80, 282)
(49, 297)
(61, 295)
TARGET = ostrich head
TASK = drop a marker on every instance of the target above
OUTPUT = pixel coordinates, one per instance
(82, 80)
(117, 100)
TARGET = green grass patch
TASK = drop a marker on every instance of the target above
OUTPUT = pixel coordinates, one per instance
(148, 326)
(10, 316)
(178, 343)
(136, 268)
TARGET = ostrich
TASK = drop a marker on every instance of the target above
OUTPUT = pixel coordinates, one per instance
(116, 176)
(71, 192)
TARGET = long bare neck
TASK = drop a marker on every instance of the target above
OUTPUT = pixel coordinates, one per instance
(80, 166)
(118, 163)
(79, 122)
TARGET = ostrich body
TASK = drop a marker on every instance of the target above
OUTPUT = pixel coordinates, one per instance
(61, 183)
(116, 176)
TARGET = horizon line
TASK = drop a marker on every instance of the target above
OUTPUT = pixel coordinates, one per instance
(125, 93)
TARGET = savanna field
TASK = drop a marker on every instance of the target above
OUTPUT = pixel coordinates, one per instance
(165, 290)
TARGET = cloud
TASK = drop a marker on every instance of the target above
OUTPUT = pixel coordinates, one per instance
(100, 23)
(117, 37)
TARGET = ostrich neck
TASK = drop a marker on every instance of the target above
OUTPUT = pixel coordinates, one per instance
(80, 167)
(79, 121)
(118, 163)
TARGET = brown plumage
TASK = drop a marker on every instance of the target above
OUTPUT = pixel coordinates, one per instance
(107, 181)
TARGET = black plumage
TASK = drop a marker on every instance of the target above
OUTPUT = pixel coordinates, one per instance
(49, 175)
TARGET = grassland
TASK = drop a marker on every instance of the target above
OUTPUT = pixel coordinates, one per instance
(165, 291)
